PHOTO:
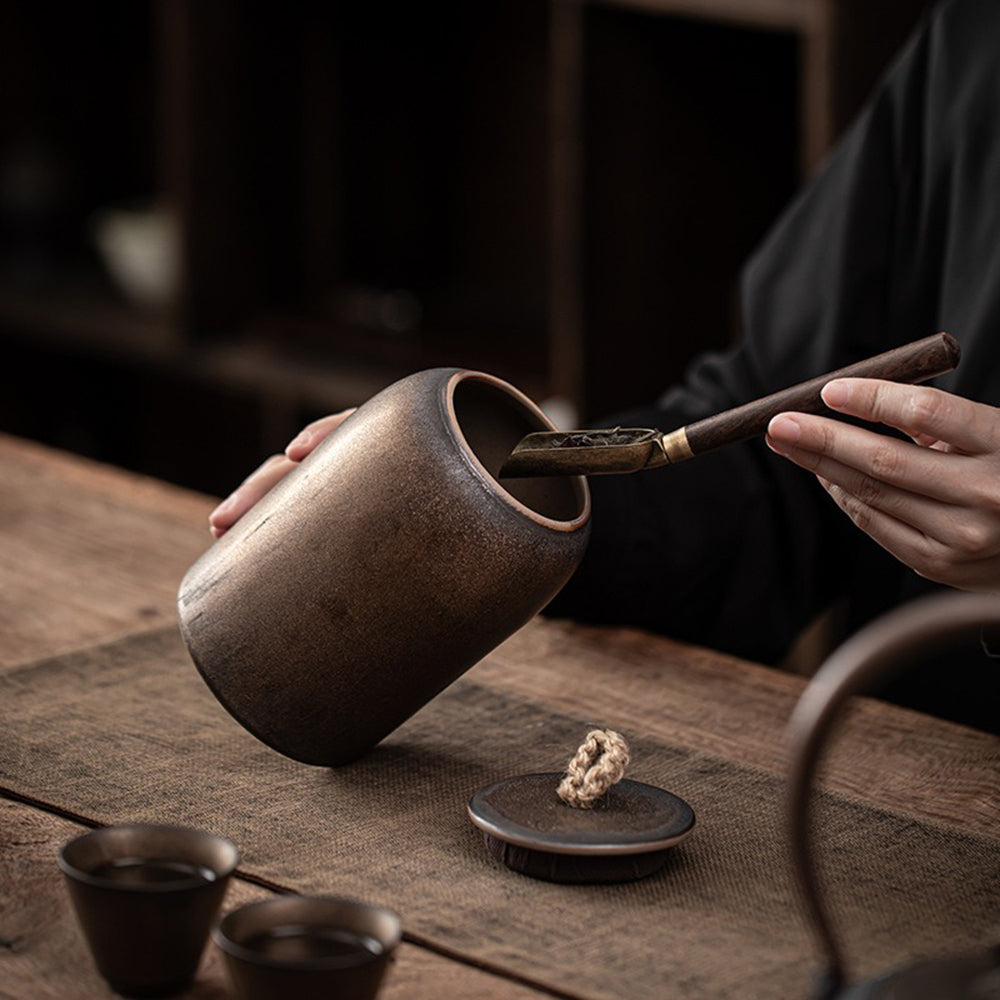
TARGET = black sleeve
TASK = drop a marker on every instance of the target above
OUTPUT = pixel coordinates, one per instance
(739, 549)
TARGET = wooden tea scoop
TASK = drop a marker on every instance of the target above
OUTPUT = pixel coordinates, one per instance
(589, 825)
(629, 449)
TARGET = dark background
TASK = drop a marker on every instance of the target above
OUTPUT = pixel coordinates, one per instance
(558, 192)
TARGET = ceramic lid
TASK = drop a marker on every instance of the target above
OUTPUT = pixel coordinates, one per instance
(632, 817)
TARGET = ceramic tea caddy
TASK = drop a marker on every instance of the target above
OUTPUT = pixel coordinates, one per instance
(384, 566)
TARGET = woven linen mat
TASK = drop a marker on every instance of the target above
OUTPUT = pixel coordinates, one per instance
(129, 732)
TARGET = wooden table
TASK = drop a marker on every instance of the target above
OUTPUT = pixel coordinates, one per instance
(89, 553)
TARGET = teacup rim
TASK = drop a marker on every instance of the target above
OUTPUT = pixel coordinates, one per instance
(239, 951)
(85, 877)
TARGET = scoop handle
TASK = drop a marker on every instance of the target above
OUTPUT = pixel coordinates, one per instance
(914, 362)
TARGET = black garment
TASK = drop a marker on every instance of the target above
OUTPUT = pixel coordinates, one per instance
(897, 238)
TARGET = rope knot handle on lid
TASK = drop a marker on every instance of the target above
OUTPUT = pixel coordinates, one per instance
(599, 763)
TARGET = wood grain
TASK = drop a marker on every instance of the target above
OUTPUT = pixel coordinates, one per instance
(87, 553)
(638, 683)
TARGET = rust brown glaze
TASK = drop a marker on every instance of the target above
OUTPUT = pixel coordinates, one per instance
(146, 896)
(301, 947)
(626, 836)
(382, 568)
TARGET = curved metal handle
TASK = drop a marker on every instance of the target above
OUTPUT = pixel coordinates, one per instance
(875, 654)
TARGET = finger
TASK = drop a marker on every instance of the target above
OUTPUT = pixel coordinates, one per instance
(813, 442)
(928, 441)
(922, 553)
(248, 493)
(980, 575)
(902, 540)
(312, 434)
(961, 530)
(973, 428)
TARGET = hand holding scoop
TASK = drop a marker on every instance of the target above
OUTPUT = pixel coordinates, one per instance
(630, 449)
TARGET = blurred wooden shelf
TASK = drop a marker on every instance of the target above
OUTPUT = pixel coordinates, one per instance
(85, 319)
(563, 192)
(787, 14)
(262, 364)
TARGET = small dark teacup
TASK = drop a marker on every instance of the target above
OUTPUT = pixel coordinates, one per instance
(308, 947)
(146, 897)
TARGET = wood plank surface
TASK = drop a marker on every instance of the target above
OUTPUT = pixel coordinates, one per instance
(89, 553)
(883, 755)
